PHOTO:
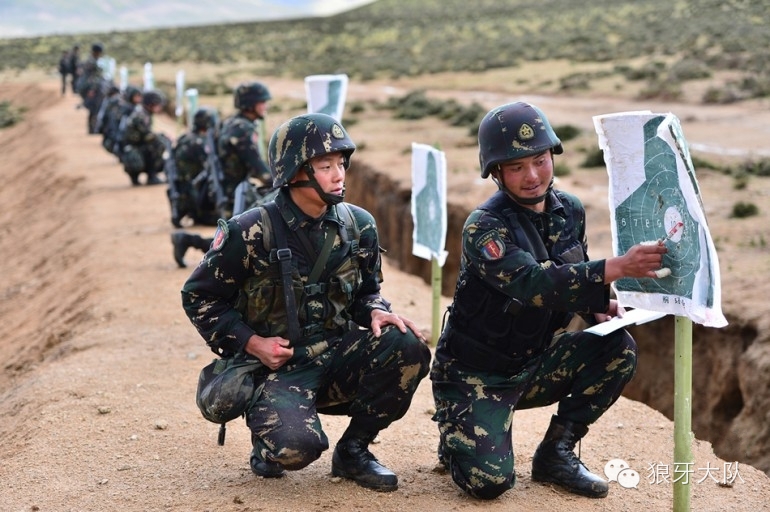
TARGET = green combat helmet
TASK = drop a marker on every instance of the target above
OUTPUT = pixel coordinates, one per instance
(130, 93)
(205, 118)
(152, 98)
(249, 94)
(511, 131)
(304, 137)
(514, 130)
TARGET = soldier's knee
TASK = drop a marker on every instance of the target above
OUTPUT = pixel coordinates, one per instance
(412, 349)
(480, 485)
(297, 453)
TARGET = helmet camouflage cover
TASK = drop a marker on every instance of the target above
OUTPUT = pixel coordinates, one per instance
(514, 130)
(151, 98)
(205, 118)
(304, 137)
(249, 94)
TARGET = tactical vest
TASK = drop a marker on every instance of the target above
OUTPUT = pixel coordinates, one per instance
(494, 332)
(322, 299)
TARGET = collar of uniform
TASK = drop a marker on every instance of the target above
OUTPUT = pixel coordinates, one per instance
(296, 218)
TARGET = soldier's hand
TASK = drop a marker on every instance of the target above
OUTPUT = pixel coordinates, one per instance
(614, 310)
(382, 318)
(641, 260)
(273, 351)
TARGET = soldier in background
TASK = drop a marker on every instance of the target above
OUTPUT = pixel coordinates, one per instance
(64, 70)
(115, 119)
(188, 194)
(241, 152)
(92, 86)
(143, 149)
(107, 117)
(241, 141)
(74, 67)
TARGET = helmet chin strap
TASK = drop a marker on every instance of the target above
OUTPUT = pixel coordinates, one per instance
(330, 199)
(529, 201)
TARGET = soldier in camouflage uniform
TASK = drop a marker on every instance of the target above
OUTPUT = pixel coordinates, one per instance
(114, 110)
(524, 273)
(142, 148)
(92, 86)
(241, 141)
(353, 355)
(190, 157)
(241, 152)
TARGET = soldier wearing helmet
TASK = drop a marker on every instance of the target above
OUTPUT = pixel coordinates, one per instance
(191, 200)
(241, 141)
(143, 148)
(92, 85)
(340, 349)
(524, 274)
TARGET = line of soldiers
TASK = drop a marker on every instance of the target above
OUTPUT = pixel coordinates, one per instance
(124, 120)
(208, 170)
(212, 166)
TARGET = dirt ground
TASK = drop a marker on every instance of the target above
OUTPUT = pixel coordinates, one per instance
(101, 363)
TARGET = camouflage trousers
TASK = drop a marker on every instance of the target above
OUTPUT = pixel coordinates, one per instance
(583, 372)
(143, 158)
(370, 379)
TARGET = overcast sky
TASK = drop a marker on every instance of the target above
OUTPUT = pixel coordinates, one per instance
(27, 18)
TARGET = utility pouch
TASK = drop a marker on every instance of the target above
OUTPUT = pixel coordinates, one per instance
(225, 390)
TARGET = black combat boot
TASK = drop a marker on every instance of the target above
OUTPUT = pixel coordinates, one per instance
(352, 459)
(265, 469)
(152, 179)
(181, 242)
(555, 460)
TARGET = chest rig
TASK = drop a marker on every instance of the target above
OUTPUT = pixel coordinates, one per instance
(282, 303)
(492, 331)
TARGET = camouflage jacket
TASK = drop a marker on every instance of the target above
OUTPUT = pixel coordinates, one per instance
(238, 148)
(110, 116)
(237, 290)
(138, 129)
(91, 78)
(523, 273)
(190, 155)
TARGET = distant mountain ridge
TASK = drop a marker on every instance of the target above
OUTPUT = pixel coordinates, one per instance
(29, 18)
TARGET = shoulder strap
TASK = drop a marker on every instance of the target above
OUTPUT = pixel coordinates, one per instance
(351, 227)
(283, 254)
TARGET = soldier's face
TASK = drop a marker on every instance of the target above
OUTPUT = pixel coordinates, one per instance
(260, 109)
(329, 172)
(527, 177)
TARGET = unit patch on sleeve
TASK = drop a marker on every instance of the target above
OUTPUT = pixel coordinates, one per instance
(491, 246)
(220, 237)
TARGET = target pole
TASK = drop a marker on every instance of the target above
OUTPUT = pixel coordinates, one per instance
(435, 279)
(682, 413)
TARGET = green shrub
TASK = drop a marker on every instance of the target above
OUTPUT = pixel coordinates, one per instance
(742, 210)
(9, 115)
(561, 169)
(566, 132)
(594, 158)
